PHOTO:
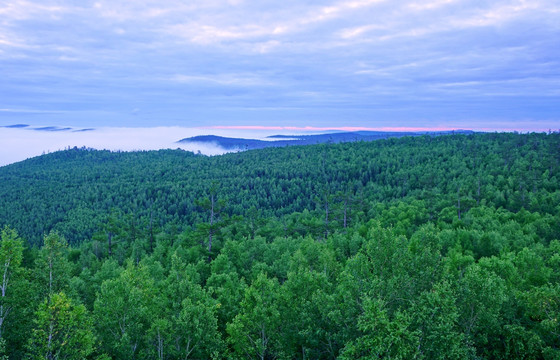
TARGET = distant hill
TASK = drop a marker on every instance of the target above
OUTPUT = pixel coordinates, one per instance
(292, 140)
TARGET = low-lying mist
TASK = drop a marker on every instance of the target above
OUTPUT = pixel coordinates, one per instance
(22, 142)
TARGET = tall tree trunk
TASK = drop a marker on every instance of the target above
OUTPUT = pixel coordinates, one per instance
(50, 275)
(151, 231)
(345, 213)
(458, 202)
(211, 232)
(478, 193)
(110, 244)
(326, 218)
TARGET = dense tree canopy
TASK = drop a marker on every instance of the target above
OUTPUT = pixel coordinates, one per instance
(429, 248)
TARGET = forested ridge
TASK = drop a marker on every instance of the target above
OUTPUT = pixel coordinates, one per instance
(426, 247)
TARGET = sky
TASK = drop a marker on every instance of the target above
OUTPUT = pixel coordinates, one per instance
(279, 66)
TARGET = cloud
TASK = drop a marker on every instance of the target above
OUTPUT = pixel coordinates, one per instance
(421, 6)
(266, 27)
(350, 33)
(209, 34)
(22, 143)
(320, 63)
(31, 111)
(21, 9)
(222, 79)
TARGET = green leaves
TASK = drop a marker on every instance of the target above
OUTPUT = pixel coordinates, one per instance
(186, 324)
(198, 326)
(11, 249)
(255, 331)
(436, 317)
(382, 337)
(12, 282)
(62, 330)
(383, 268)
(123, 312)
(52, 267)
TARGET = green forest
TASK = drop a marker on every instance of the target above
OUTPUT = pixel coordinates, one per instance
(428, 247)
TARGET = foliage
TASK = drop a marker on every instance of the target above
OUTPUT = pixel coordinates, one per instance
(63, 330)
(441, 247)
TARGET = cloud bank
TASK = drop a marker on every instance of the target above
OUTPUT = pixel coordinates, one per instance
(21, 143)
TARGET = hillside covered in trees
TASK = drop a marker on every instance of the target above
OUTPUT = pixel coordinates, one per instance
(422, 247)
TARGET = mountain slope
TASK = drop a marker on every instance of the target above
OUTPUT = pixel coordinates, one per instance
(293, 140)
(75, 191)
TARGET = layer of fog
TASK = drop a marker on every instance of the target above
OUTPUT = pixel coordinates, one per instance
(17, 144)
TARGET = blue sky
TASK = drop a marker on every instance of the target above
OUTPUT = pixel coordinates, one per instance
(484, 65)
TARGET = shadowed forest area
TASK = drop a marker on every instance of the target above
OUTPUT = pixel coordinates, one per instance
(425, 247)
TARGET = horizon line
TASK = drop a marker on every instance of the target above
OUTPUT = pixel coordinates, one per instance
(329, 128)
(303, 128)
(364, 128)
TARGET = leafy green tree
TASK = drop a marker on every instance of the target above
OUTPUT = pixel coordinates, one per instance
(113, 230)
(214, 206)
(63, 330)
(481, 296)
(436, 317)
(11, 253)
(254, 332)
(3, 355)
(396, 269)
(543, 310)
(12, 290)
(199, 326)
(186, 324)
(305, 303)
(226, 288)
(351, 287)
(52, 267)
(160, 332)
(383, 337)
(123, 312)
